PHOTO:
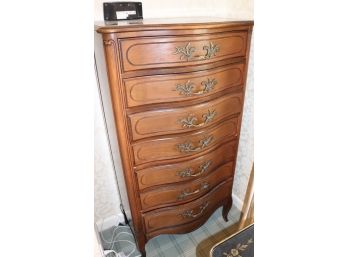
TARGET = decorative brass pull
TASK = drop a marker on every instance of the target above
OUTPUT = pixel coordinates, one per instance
(190, 121)
(211, 50)
(187, 192)
(190, 214)
(188, 172)
(187, 51)
(187, 88)
(188, 147)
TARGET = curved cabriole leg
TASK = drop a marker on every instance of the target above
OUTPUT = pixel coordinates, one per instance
(141, 241)
(142, 250)
(226, 208)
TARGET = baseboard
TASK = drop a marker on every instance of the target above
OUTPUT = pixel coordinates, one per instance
(110, 221)
(237, 202)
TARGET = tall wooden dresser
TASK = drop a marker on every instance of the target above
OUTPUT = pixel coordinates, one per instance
(174, 91)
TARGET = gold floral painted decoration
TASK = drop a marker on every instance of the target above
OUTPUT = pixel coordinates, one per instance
(235, 252)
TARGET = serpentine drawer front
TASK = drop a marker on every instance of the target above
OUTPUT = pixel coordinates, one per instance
(173, 121)
(174, 92)
(182, 87)
(183, 145)
(146, 53)
(160, 197)
(166, 218)
(187, 170)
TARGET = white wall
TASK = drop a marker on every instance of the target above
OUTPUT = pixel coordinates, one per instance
(106, 195)
(238, 9)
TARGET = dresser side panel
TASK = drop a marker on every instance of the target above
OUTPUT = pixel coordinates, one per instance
(110, 120)
(112, 61)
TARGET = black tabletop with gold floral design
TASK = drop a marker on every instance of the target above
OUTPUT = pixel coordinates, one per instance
(239, 245)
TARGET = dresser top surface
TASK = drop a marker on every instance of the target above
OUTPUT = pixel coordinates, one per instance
(158, 23)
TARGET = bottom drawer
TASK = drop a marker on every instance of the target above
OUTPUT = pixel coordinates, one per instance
(164, 220)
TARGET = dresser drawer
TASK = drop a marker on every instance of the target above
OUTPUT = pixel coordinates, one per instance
(189, 212)
(173, 121)
(183, 192)
(182, 87)
(165, 52)
(188, 170)
(181, 146)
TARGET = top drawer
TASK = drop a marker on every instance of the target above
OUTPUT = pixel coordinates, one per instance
(166, 52)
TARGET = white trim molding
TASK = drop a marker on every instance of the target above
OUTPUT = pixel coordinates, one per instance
(110, 222)
(237, 202)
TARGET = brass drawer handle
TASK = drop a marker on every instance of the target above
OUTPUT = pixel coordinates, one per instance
(211, 50)
(188, 172)
(188, 147)
(187, 88)
(187, 192)
(190, 121)
(190, 214)
(187, 51)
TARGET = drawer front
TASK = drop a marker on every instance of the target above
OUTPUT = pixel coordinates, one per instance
(188, 170)
(160, 52)
(189, 212)
(181, 146)
(187, 191)
(173, 121)
(180, 87)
